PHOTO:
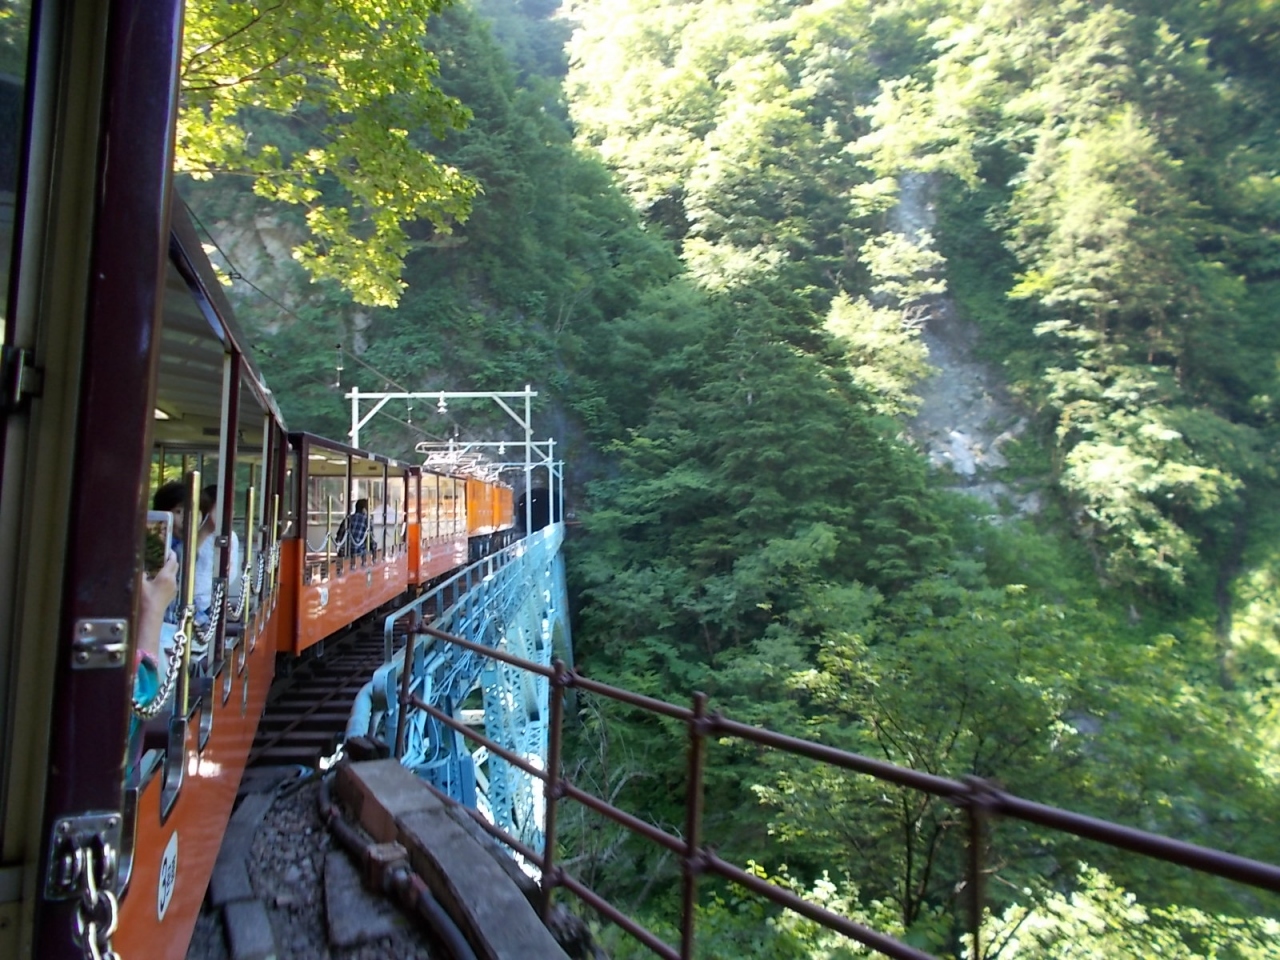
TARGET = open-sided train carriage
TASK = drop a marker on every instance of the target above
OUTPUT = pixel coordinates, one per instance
(214, 424)
(123, 370)
(333, 577)
(438, 512)
(119, 365)
(490, 515)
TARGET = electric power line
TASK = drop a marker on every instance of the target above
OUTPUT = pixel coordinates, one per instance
(234, 273)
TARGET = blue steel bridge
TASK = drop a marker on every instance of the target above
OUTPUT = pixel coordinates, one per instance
(513, 602)
(488, 659)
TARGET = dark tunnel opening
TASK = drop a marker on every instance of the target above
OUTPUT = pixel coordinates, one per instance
(541, 509)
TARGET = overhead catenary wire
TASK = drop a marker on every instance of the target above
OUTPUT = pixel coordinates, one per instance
(265, 351)
(234, 273)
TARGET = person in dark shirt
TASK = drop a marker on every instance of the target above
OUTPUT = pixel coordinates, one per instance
(355, 530)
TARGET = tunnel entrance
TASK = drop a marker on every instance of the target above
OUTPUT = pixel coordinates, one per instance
(540, 506)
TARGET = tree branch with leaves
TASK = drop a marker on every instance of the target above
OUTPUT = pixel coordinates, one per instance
(329, 105)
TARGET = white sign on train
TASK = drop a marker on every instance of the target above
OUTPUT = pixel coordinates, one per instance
(168, 876)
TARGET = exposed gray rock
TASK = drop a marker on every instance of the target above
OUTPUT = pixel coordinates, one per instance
(966, 415)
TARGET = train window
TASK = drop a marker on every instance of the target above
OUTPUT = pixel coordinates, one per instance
(411, 525)
(430, 508)
(328, 486)
(460, 508)
(186, 434)
(393, 540)
(290, 526)
(368, 481)
(453, 510)
(15, 30)
(251, 453)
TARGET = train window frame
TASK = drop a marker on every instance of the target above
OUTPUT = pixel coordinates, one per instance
(430, 525)
(315, 462)
(398, 516)
(251, 446)
(28, 164)
(22, 329)
(195, 386)
(368, 481)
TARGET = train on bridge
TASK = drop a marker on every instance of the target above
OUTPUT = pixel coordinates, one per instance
(125, 380)
(126, 387)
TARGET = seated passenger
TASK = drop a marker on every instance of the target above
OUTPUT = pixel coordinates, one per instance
(353, 532)
(171, 497)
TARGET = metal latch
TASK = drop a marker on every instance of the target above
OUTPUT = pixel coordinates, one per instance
(84, 865)
(99, 644)
(83, 848)
(22, 379)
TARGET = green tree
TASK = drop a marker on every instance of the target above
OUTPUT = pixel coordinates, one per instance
(881, 332)
(1099, 140)
(331, 105)
(1100, 919)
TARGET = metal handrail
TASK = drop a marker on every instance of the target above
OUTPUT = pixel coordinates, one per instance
(979, 799)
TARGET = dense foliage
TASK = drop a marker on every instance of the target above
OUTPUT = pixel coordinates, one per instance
(698, 249)
(350, 91)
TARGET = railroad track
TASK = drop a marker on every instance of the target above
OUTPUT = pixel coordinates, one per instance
(307, 710)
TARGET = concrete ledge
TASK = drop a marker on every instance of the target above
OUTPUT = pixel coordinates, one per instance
(230, 879)
(377, 792)
(498, 851)
(484, 901)
(230, 882)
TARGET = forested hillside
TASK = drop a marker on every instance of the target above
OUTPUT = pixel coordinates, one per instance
(683, 228)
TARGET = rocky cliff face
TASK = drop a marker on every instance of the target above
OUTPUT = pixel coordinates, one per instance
(260, 249)
(966, 415)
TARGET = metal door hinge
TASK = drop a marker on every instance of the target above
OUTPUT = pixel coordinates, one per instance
(22, 379)
(99, 644)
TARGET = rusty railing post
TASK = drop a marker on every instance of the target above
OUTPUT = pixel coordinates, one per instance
(551, 787)
(406, 675)
(693, 823)
(977, 808)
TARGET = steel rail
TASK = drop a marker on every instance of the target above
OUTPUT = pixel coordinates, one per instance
(975, 791)
(880, 769)
(1229, 866)
(628, 820)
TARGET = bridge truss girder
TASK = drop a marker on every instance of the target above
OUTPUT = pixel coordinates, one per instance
(516, 602)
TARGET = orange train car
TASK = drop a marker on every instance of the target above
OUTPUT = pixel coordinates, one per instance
(490, 520)
(338, 567)
(213, 419)
(480, 513)
(124, 370)
(437, 521)
(506, 507)
(489, 508)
